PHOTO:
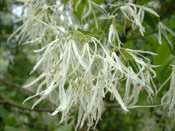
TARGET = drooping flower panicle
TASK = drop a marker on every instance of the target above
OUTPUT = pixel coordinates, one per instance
(168, 100)
(79, 69)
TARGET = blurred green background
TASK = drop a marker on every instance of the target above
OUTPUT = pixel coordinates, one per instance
(16, 62)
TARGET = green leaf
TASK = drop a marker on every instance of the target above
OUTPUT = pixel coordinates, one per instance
(150, 21)
(165, 59)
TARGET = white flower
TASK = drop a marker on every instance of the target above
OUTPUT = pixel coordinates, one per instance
(136, 17)
(78, 70)
(89, 77)
(168, 100)
(37, 22)
(162, 30)
(92, 6)
(113, 34)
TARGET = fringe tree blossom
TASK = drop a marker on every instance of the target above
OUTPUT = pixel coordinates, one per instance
(169, 97)
(89, 77)
(91, 7)
(113, 35)
(78, 70)
(162, 30)
(131, 12)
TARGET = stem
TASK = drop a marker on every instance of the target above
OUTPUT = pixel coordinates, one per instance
(28, 92)
(133, 38)
(7, 102)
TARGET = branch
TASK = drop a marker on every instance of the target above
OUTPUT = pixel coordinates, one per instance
(112, 105)
(15, 86)
(28, 92)
(7, 102)
(5, 36)
(36, 127)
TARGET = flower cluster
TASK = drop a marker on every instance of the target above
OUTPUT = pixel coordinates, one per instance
(131, 12)
(78, 70)
(163, 30)
(169, 97)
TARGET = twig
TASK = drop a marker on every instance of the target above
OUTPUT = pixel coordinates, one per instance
(36, 127)
(140, 36)
(112, 105)
(28, 92)
(16, 86)
(7, 102)
(5, 36)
